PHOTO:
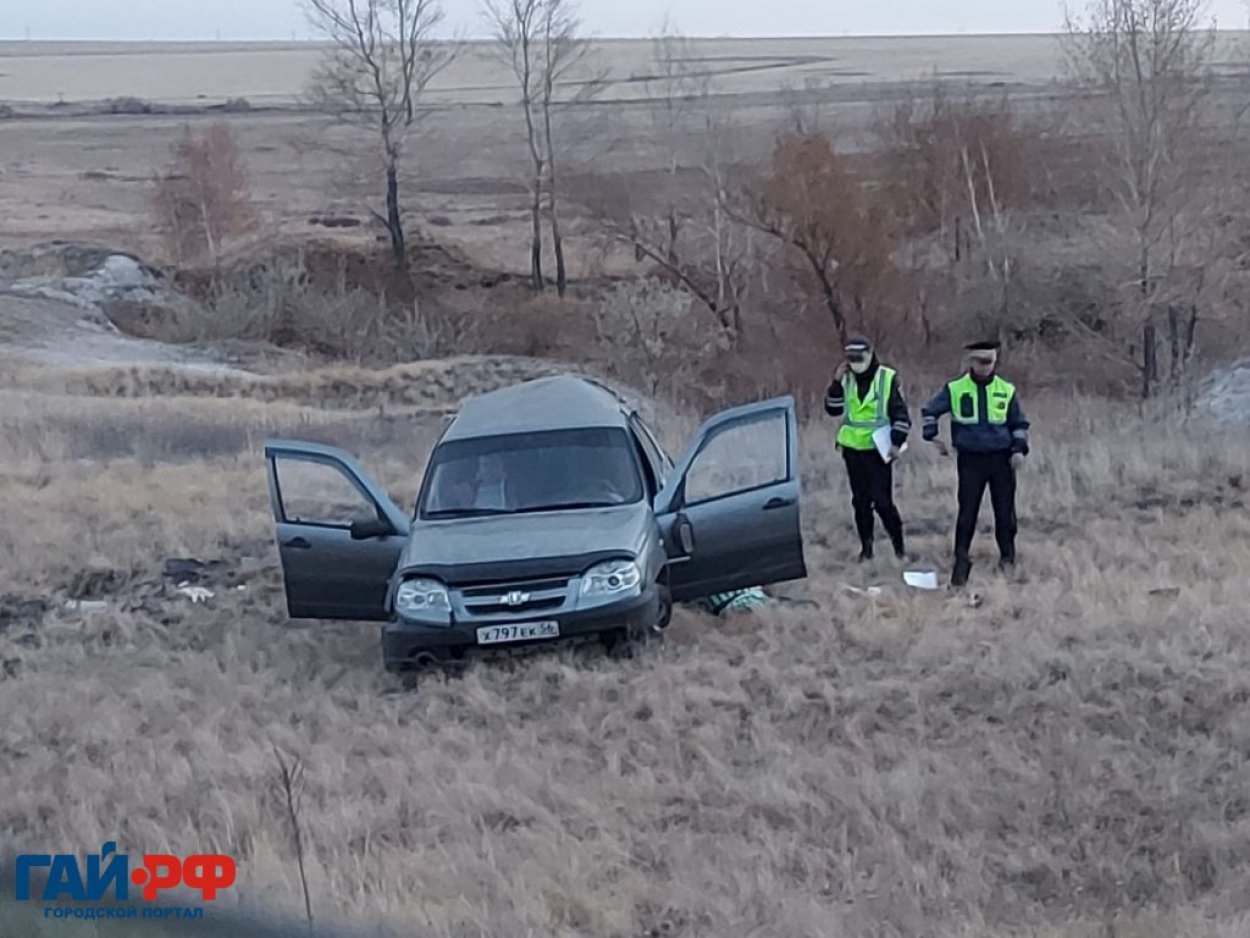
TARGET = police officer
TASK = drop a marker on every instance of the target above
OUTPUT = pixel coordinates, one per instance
(867, 394)
(991, 434)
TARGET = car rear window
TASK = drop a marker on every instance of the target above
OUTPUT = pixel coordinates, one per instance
(527, 472)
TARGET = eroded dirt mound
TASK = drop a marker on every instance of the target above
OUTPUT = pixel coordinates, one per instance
(1227, 394)
(65, 334)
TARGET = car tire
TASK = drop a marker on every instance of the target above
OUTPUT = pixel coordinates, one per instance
(665, 615)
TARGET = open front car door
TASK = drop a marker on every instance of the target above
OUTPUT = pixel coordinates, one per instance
(730, 509)
(339, 534)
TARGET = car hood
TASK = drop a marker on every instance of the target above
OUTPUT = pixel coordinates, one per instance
(537, 545)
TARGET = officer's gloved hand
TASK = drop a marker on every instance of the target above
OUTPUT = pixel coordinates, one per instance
(1017, 461)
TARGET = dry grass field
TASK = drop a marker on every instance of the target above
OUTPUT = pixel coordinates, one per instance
(1060, 756)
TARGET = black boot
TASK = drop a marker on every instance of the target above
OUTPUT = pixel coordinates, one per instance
(865, 553)
(900, 548)
(959, 576)
(1007, 564)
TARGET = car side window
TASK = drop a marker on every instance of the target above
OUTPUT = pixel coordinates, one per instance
(741, 457)
(655, 456)
(648, 468)
(317, 493)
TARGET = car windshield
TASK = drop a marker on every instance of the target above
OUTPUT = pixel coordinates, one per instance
(528, 472)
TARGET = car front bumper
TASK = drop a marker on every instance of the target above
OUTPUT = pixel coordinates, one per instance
(405, 641)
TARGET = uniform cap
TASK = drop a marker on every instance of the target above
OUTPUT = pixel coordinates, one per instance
(988, 346)
(858, 344)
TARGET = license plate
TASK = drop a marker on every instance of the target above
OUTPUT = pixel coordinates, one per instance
(525, 632)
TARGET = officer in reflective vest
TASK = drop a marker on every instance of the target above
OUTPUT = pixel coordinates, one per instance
(866, 394)
(991, 435)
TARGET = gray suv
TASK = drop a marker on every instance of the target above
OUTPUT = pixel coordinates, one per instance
(548, 511)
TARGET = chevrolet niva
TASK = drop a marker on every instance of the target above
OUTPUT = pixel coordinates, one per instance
(548, 511)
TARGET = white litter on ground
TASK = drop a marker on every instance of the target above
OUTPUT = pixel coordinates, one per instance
(926, 580)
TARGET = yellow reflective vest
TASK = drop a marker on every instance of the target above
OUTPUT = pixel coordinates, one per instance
(865, 417)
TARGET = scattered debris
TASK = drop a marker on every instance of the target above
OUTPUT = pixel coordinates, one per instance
(86, 605)
(745, 600)
(873, 591)
(926, 580)
(97, 583)
(1169, 592)
(197, 594)
(190, 570)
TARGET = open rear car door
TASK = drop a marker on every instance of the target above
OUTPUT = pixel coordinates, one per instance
(339, 534)
(729, 510)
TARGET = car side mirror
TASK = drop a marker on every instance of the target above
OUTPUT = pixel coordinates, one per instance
(683, 531)
(365, 528)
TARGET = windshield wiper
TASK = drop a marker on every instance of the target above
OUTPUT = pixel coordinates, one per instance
(567, 506)
(469, 512)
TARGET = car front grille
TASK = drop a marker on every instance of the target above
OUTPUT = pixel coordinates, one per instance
(516, 598)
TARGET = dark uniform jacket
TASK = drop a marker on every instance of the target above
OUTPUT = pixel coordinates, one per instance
(896, 407)
(982, 436)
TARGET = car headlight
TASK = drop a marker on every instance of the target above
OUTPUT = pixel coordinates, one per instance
(611, 578)
(417, 596)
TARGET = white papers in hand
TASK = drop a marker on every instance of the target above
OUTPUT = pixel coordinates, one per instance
(881, 438)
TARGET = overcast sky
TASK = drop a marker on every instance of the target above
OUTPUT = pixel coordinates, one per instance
(283, 19)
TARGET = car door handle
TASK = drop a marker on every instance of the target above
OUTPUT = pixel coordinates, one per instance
(298, 543)
(774, 503)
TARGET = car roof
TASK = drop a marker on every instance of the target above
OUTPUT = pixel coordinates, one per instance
(560, 402)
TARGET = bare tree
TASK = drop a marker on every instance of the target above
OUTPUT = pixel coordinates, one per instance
(562, 51)
(203, 198)
(539, 42)
(383, 55)
(1149, 63)
(515, 24)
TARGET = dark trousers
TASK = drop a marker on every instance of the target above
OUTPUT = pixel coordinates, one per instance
(976, 472)
(872, 489)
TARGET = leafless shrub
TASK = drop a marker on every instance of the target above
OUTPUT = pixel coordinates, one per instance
(202, 200)
(538, 41)
(650, 336)
(281, 303)
(290, 776)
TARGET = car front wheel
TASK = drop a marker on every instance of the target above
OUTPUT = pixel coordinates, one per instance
(665, 615)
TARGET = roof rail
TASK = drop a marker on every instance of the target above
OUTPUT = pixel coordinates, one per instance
(607, 389)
